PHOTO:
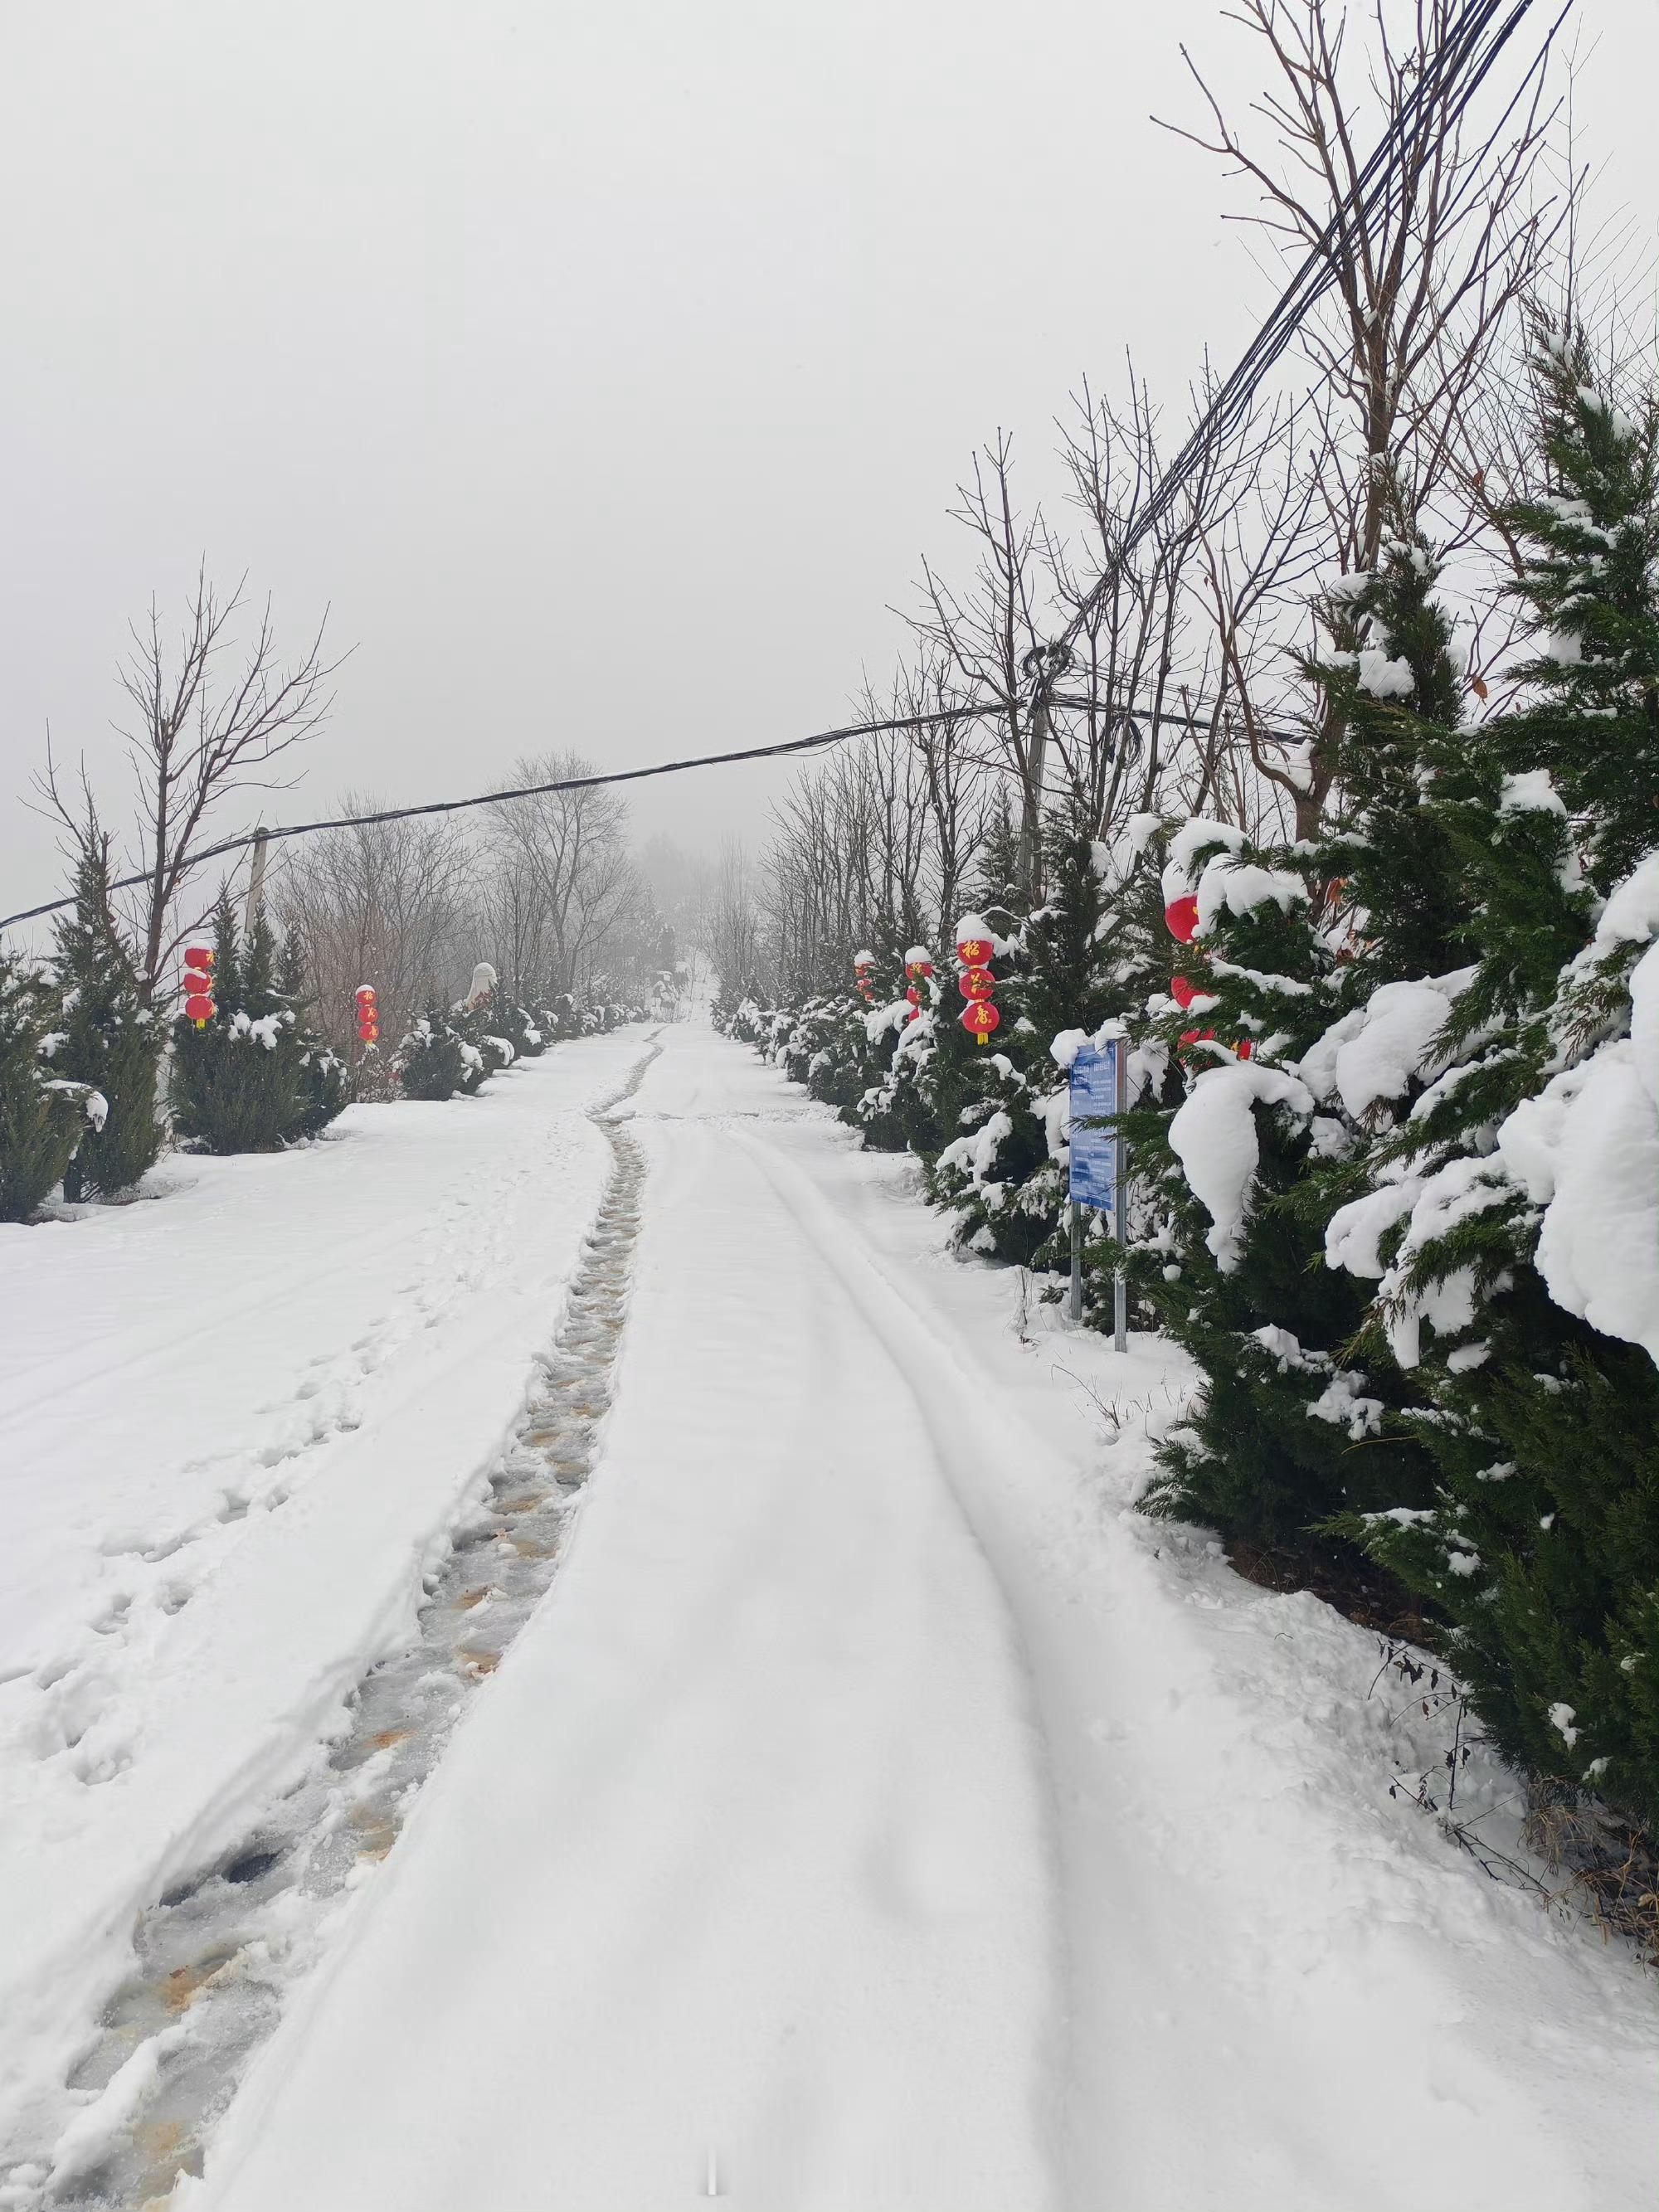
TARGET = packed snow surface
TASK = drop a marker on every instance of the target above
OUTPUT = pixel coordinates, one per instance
(878, 1812)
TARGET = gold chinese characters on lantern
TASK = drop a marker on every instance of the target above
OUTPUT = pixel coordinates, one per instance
(976, 945)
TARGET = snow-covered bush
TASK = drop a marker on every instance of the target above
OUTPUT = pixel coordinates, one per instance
(1508, 1229)
(430, 1060)
(44, 1116)
(520, 1028)
(255, 1077)
(1307, 1021)
(109, 1038)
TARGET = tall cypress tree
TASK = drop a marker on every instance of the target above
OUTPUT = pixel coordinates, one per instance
(1327, 967)
(43, 1116)
(1541, 1543)
(111, 1039)
(322, 1083)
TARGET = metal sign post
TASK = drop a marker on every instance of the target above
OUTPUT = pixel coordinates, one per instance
(1099, 1168)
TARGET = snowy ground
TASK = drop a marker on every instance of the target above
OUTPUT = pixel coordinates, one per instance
(236, 1421)
(876, 1813)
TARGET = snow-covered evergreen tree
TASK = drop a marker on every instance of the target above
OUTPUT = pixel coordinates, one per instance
(1000, 1112)
(1511, 1227)
(1323, 973)
(43, 1116)
(429, 1062)
(110, 1038)
(322, 1083)
(254, 1078)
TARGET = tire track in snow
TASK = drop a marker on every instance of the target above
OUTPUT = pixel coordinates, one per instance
(215, 1959)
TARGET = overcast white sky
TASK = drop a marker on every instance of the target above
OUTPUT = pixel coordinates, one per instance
(606, 364)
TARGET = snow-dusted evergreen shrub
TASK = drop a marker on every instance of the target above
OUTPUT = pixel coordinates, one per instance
(44, 1116)
(988, 1121)
(520, 1028)
(430, 1060)
(1000, 1158)
(1508, 1230)
(484, 1050)
(109, 1038)
(1323, 973)
(254, 1078)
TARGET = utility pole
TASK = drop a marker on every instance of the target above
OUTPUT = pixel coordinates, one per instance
(256, 885)
(1043, 665)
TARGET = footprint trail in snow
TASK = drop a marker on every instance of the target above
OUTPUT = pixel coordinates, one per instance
(214, 1960)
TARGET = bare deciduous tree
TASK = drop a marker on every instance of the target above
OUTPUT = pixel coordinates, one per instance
(204, 728)
(380, 903)
(574, 882)
(1419, 291)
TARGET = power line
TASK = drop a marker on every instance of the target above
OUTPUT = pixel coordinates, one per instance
(1450, 80)
(1463, 52)
(1470, 52)
(533, 790)
(893, 726)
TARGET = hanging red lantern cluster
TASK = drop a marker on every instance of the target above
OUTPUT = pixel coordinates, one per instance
(368, 1014)
(975, 948)
(918, 967)
(199, 1004)
(1181, 917)
(865, 982)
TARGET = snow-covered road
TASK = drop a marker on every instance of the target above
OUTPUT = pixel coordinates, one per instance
(875, 1812)
(878, 1813)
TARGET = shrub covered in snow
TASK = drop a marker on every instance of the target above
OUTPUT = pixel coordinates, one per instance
(44, 1116)
(1312, 1025)
(428, 1063)
(109, 1038)
(255, 1078)
(1509, 1229)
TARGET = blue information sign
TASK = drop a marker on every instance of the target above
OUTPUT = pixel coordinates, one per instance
(1094, 1151)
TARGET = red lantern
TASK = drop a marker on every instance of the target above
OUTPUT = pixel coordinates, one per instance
(1182, 991)
(977, 983)
(914, 996)
(1181, 915)
(1196, 1036)
(976, 944)
(368, 1014)
(199, 1006)
(980, 1019)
